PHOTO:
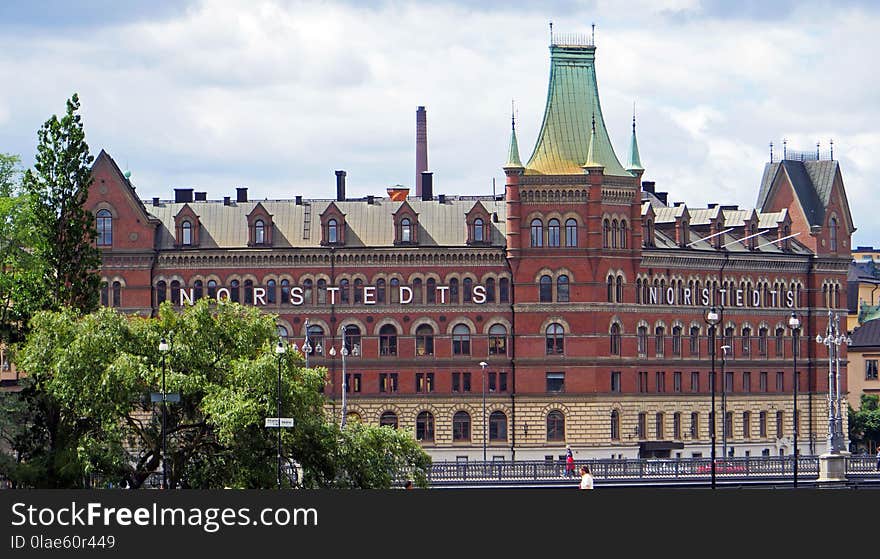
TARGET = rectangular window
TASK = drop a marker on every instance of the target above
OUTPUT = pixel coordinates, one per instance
(779, 424)
(555, 382)
(658, 425)
(870, 369)
(747, 381)
(728, 382)
(387, 382)
(615, 381)
(762, 425)
(676, 381)
(695, 381)
(747, 425)
(728, 424)
(642, 426)
(643, 381)
(676, 426)
(660, 382)
(424, 382)
(780, 382)
(461, 382)
(353, 382)
(695, 425)
(502, 382)
(762, 381)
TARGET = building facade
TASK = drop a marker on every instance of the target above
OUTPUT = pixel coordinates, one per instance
(571, 310)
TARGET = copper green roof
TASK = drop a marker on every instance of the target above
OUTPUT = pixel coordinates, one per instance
(572, 100)
(634, 163)
(513, 153)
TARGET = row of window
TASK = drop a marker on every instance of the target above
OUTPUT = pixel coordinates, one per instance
(554, 236)
(555, 425)
(730, 383)
(732, 344)
(426, 382)
(346, 292)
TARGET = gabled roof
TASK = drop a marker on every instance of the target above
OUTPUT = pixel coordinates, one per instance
(812, 182)
(866, 335)
(105, 157)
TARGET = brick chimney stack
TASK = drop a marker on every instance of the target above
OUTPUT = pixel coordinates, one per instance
(421, 147)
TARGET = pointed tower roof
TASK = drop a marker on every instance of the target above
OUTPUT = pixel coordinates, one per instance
(635, 162)
(513, 160)
(572, 98)
(591, 163)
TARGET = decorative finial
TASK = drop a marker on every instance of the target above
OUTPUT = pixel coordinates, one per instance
(593, 40)
(784, 148)
(832, 149)
(512, 116)
(634, 116)
(551, 32)
(594, 122)
(817, 151)
(771, 152)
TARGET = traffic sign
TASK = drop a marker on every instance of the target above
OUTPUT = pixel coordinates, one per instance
(273, 422)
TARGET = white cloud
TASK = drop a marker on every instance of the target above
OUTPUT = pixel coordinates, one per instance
(277, 95)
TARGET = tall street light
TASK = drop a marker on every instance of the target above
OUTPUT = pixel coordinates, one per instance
(724, 350)
(344, 352)
(795, 324)
(279, 351)
(712, 319)
(832, 339)
(163, 349)
(483, 366)
(307, 347)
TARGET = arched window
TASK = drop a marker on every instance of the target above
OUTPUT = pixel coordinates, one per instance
(467, 288)
(615, 339)
(425, 426)
(461, 426)
(537, 233)
(424, 340)
(358, 290)
(497, 340)
(615, 425)
(555, 426)
(322, 291)
(695, 341)
(606, 234)
(248, 292)
(490, 290)
(747, 341)
(388, 419)
(351, 337)
(571, 233)
(281, 331)
(642, 338)
(461, 340)
(270, 291)
(406, 230)
(762, 341)
(175, 292)
(332, 231)
(553, 233)
(676, 341)
(234, 291)
(315, 338)
(380, 291)
(504, 290)
(554, 336)
(832, 234)
(417, 291)
(478, 230)
(659, 339)
(388, 340)
(394, 287)
(453, 291)
(497, 426)
(117, 294)
(285, 292)
(609, 289)
(259, 232)
(619, 289)
(105, 227)
(431, 291)
(186, 233)
(212, 289)
(161, 292)
(562, 289)
(614, 233)
(198, 289)
(545, 289)
(623, 234)
(344, 291)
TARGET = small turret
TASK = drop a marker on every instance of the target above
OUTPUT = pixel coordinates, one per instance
(634, 163)
(513, 161)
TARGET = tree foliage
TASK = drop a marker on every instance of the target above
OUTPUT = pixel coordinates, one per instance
(57, 189)
(864, 423)
(101, 368)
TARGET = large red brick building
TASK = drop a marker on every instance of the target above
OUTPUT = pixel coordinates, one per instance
(568, 311)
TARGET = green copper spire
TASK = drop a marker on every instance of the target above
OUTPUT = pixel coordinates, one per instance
(635, 162)
(572, 97)
(591, 162)
(513, 153)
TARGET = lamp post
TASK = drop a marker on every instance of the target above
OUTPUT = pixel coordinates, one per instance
(724, 350)
(307, 347)
(279, 351)
(344, 351)
(163, 349)
(483, 366)
(832, 340)
(712, 319)
(795, 324)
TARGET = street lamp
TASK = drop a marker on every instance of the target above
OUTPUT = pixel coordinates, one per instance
(795, 324)
(712, 319)
(163, 349)
(307, 347)
(832, 340)
(279, 351)
(724, 350)
(483, 366)
(344, 351)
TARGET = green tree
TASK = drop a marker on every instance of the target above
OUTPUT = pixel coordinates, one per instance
(57, 189)
(864, 424)
(101, 367)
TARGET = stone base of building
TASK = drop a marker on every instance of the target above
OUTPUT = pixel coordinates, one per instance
(832, 468)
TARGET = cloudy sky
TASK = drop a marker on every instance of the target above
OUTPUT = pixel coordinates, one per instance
(275, 95)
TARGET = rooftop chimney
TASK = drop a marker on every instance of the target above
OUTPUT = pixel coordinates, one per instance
(340, 186)
(183, 195)
(371, 199)
(155, 200)
(201, 196)
(241, 194)
(226, 201)
(661, 196)
(648, 186)
(441, 198)
(421, 147)
(427, 186)
(298, 200)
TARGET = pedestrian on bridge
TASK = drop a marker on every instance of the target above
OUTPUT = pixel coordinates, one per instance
(878, 458)
(586, 477)
(569, 462)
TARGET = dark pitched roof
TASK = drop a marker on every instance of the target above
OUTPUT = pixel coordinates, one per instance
(812, 182)
(867, 335)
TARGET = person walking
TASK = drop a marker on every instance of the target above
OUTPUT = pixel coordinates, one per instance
(586, 478)
(569, 462)
(878, 458)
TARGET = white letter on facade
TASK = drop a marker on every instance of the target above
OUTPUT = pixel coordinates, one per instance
(296, 296)
(369, 294)
(408, 291)
(259, 295)
(442, 289)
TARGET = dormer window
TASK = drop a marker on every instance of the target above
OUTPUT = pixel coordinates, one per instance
(405, 230)
(406, 225)
(104, 221)
(259, 232)
(332, 231)
(478, 231)
(259, 226)
(186, 236)
(332, 226)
